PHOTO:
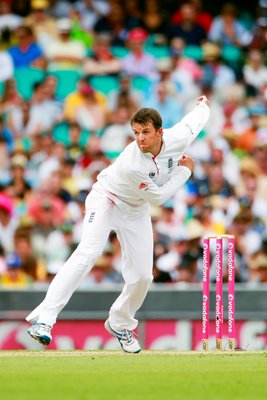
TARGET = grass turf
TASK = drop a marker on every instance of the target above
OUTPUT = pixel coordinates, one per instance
(76, 375)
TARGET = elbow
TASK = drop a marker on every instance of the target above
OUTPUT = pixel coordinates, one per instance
(156, 201)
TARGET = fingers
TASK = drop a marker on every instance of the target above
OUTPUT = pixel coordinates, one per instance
(203, 99)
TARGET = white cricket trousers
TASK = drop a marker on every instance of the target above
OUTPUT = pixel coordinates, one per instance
(136, 238)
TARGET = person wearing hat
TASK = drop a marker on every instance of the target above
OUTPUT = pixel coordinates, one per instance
(14, 276)
(149, 171)
(138, 62)
(42, 24)
(65, 53)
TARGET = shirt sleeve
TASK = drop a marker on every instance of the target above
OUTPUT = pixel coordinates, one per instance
(151, 192)
(190, 126)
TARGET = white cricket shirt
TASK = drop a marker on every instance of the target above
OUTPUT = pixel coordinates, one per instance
(138, 178)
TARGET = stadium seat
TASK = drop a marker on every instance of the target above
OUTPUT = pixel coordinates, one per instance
(61, 134)
(119, 51)
(141, 83)
(67, 82)
(158, 51)
(194, 52)
(105, 83)
(232, 55)
(26, 78)
(2, 85)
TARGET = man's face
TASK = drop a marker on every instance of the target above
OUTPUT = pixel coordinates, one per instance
(148, 139)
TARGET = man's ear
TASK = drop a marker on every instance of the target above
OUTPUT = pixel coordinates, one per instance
(160, 131)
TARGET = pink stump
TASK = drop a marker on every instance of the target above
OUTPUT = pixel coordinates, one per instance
(206, 294)
(219, 293)
(231, 293)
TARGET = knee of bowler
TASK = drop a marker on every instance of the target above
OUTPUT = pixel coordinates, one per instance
(144, 279)
(87, 255)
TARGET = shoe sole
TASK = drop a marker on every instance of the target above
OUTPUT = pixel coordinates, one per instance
(45, 340)
(113, 333)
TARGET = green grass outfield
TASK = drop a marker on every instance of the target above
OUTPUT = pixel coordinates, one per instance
(150, 375)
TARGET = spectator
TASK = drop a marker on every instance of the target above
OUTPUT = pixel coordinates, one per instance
(14, 276)
(54, 185)
(8, 21)
(166, 105)
(19, 187)
(23, 248)
(101, 61)
(260, 34)
(214, 71)
(138, 62)
(188, 28)
(58, 247)
(43, 25)
(113, 23)
(117, 135)
(254, 71)
(74, 145)
(203, 18)
(155, 18)
(78, 98)
(10, 97)
(27, 53)
(6, 66)
(6, 136)
(91, 115)
(91, 11)
(246, 140)
(125, 95)
(133, 14)
(227, 30)
(186, 72)
(8, 222)
(65, 53)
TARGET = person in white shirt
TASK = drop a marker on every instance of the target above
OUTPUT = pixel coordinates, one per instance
(148, 172)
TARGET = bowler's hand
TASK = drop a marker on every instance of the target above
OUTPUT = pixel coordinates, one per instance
(203, 99)
(187, 161)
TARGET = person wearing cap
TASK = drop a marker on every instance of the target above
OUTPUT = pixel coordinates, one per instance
(43, 25)
(138, 62)
(65, 53)
(14, 276)
(148, 172)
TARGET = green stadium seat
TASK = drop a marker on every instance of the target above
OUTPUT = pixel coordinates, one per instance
(158, 51)
(194, 52)
(141, 83)
(61, 134)
(232, 55)
(105, 83)
(26, 79)
(67, 82)
(119, 51)
(2, 86)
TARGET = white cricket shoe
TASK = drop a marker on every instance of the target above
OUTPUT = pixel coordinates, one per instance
(41, 333)
(126, 339)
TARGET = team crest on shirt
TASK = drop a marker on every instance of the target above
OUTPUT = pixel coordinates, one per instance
(152, 174)
(143, 186)
(170, 164)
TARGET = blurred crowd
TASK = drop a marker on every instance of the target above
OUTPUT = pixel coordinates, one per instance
(71, 75)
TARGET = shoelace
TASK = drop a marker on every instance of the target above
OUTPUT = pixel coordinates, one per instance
(46, 328)
(128, 336)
